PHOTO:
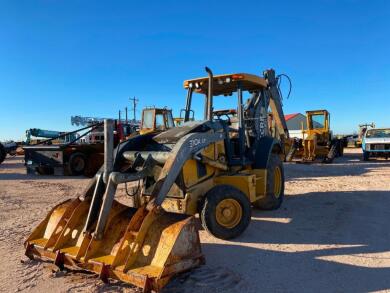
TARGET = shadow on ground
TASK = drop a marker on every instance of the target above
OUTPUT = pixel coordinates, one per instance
(348, 165)
(15, 170)
(19, 176)
(319, 242)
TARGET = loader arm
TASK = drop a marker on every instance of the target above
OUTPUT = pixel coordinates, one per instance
(185, 148)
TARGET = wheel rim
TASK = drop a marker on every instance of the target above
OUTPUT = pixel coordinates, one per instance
(277, 182)
(78, 164)
(228, 213)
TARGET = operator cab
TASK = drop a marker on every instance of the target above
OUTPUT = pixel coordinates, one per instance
(318, 125)
(156, 119)
(318, 119)
(243, 130)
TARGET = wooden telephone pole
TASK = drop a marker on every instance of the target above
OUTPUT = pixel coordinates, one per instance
(135, 102)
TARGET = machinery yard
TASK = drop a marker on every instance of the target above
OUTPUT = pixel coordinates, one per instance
(212, 147)
(331, 234)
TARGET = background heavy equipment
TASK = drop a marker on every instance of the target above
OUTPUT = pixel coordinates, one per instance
(216, 167)
(76, 153)
(180, 120)
(355, 140)
(156, 120)
(7, 148)
(318, 141)
(362, 131)
(42, 133)
(65, 157)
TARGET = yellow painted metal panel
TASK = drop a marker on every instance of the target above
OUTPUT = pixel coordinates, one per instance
(244, 182)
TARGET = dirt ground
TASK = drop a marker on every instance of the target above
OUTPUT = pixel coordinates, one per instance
(331, 235)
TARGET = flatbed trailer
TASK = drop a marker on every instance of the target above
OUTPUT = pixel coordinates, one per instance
(72, 158)
(64, 159)
(85, 158)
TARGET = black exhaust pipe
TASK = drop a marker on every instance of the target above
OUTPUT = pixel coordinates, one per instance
(209, 102)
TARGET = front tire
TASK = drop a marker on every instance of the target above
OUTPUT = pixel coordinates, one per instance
(275, 185)
(226, 212)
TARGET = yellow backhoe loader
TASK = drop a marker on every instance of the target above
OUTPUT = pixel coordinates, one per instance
(218, 168)
(318, 141)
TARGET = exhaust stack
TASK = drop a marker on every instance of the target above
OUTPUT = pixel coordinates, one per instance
(209, 102)
(108, 148)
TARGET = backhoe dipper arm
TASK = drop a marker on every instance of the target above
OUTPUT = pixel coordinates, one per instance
(276, 102)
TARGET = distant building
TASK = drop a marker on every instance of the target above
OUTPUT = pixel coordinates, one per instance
(294, 121)
(294, 124)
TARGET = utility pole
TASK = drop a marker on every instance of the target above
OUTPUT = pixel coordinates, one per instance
(135, 101)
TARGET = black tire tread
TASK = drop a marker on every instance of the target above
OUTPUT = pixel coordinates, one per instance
(270, 202)
(207, 214)
(69, 166)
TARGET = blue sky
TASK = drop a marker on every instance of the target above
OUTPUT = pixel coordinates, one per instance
(63, 58)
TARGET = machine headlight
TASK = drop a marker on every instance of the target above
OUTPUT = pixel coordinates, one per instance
(228, 79)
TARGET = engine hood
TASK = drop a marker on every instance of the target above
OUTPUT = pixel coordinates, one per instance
(377, 140)
(173, 135)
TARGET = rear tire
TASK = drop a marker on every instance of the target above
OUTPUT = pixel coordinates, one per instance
(275, 185)
(77, 164)
(226, 212)
(3, 153)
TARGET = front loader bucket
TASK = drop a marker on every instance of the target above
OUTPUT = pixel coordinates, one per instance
(144, 248)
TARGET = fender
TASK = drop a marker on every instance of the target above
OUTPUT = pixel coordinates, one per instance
(263, 149)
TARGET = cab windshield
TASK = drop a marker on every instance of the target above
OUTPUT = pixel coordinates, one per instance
(147, 119)
(378, 133)
(170, 122)
(317, 121)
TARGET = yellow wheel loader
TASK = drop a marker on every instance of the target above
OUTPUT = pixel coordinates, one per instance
(318, 141)
(218, 168)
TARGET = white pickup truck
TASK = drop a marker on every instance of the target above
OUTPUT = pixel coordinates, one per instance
(376, 143)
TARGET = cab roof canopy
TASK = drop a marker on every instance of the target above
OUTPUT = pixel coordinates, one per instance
(314, 112)
(226, 84)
